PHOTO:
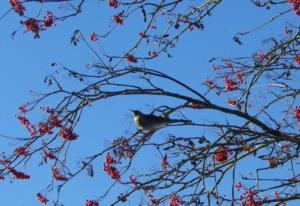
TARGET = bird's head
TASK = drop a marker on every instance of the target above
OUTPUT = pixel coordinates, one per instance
(136, 113)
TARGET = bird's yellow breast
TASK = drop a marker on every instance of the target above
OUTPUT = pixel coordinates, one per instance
(137, 121)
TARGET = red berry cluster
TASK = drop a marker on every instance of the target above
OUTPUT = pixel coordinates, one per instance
(109, 167)
(35, 27)
(221, 154)
(46, 127)
(118, 18)
(152, 53)
(230, 85)
(175, 200)
(22, 108)
(30, 127)
(91, 203)
(297, 112)
(94, 36)
(18, 174)
(21, 151)
(231, 102)
(122, 148)
(297, 59)
(131, 58)
(232, 78)
(210, 83)
(67, 134)
(49, 155)
(41, 198)
(113, 3)
(152, 200)
(250, 198)
(17, 6)
(273, 161)
(260, 56)
(295, 6)
(32, 25)
(57, 175)
(48, 19)
(195, 105)
(132, 179)
(164, 163)
(238, 186)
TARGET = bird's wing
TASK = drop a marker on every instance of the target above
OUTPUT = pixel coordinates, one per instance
(154, 119)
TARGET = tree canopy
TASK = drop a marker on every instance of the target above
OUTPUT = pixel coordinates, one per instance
(240, 142)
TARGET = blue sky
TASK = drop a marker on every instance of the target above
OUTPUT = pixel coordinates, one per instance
(25, 61)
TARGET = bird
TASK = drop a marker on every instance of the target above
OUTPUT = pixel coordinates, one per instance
(152, 122)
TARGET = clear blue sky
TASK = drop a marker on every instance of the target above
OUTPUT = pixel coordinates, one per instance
(25, 61)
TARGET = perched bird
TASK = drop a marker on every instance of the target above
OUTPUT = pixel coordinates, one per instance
(151, 122)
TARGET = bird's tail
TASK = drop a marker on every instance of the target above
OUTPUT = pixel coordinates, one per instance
(186, 121)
